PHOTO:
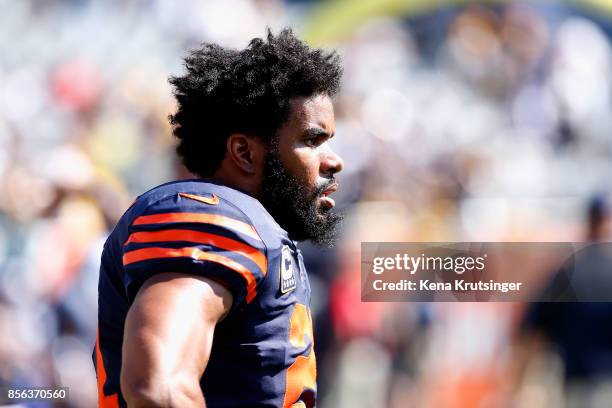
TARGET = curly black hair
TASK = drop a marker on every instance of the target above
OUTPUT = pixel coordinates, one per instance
(225, 91)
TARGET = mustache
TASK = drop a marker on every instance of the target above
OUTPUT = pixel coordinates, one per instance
(324, 184)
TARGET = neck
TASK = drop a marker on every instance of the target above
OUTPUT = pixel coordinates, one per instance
(241, 184)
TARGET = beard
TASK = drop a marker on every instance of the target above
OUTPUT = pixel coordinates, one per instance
(294, 206)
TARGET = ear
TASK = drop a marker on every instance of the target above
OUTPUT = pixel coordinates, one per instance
(246, 152)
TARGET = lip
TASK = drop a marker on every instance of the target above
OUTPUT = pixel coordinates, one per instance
(326, 201)
(332, 189)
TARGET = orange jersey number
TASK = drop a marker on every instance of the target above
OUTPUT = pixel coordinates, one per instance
(302, 374)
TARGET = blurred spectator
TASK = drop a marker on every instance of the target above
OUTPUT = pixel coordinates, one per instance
(579, 333)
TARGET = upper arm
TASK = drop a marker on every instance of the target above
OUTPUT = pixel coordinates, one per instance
(168, 336)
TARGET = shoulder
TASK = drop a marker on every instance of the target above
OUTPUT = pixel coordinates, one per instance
(198, 228)
(199, 201)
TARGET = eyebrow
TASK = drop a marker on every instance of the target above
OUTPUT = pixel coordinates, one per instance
(316, 132)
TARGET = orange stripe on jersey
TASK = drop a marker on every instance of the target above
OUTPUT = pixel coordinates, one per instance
(104, 401)
(202, 238)
(194, 253)
(203, 218)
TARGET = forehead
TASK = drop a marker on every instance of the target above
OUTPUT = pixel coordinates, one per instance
(313, 111)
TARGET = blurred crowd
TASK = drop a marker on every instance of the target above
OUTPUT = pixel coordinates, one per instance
(462, 123)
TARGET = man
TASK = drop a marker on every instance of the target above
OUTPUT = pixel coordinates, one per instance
(203, 296)
(572, 318)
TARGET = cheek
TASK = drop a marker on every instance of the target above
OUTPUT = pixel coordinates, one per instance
(304, 165)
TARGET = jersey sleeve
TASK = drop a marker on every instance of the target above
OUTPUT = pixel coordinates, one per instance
(215, 241)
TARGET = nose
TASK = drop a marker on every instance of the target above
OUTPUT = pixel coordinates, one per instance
(331, 163)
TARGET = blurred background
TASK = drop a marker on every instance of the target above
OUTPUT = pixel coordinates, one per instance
(457, 121)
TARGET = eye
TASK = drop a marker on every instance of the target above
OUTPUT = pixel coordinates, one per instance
(310, 142)
(315, 141)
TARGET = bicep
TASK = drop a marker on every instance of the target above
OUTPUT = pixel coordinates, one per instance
(169, 329)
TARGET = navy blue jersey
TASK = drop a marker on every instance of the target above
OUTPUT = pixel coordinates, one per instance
(262, 353)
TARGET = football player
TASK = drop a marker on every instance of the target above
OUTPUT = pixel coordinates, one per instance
(203, 295)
